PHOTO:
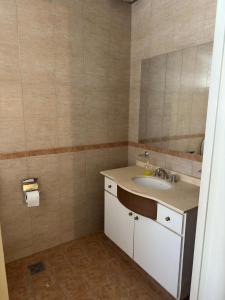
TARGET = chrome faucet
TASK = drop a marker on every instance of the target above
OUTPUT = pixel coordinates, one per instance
(146, 154)
(160, 172)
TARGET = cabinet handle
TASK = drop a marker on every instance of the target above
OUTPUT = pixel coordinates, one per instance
(130, 214)
(167, 219)
(109, 186)
(136, 218)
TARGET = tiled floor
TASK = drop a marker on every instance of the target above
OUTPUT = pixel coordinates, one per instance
(86, 269)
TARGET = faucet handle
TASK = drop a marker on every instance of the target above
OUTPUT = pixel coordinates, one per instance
(157, 172)
(173, 178)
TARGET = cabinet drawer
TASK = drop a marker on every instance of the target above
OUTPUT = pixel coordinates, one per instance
(110, 186)
(170, 219)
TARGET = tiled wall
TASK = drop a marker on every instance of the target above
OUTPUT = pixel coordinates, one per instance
(64, 81)
(177, 164)
(64, 68)
(160, 27)
(71, 198)
(174, 98)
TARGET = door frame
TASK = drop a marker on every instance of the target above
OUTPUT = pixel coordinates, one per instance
(208, 274)
(3, 280)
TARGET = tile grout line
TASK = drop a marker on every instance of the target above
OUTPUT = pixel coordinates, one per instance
(22, 102)
(20, 72)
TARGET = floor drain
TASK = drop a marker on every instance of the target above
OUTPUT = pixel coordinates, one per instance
(36, 268)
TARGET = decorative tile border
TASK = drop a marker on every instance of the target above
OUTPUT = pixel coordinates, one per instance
(173, 138)
(185, 155)
(39, 152)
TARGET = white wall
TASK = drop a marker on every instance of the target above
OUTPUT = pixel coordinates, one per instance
(208, 280)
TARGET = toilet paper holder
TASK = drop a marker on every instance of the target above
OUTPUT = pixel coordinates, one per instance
(31, 192)
(30, 184)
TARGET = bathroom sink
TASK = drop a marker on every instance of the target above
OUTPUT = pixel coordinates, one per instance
(152, 182)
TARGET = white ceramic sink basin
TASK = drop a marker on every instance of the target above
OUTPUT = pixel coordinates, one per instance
(152, 182)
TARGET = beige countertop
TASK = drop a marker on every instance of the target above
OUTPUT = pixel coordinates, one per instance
(182, 197)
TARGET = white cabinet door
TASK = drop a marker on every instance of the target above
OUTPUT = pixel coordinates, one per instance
(119, 224)
(157, 250)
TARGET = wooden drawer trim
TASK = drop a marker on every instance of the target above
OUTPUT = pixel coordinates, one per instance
(141, 205)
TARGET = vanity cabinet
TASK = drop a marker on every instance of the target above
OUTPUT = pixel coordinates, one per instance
(119, 223)
(157, 250)
(163, 246)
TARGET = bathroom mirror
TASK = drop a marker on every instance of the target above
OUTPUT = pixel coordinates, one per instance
(174, 98)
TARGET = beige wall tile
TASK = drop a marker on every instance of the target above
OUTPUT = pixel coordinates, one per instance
(11, 105)
(97, 12)
(132, 155)
(96, 214)
(9, 54)
(72, 178)
(37, 60)
(12, 135)
(179, 164)
(176, 164)
(173, 71)
(157, 73)
(210, 14)
(46, 231)
(8, 24)
(188, 68)
(12, 205)
(17, 236)
(78, 229)
(35, 27)
(39, 99)
(71, 215)
(118, 117)
(64, 68)
(96, 128)
(68, 20)
(40, 132)
(11, 174)
(72, 164)
(71, 131)
(70, 99)
(203, 65)
(70, 51)
(17, 231)
(189, 24)
(46, 169)
(156, 159)
(116, 157)
(35, 18)
(173, 93)
(95, 161)
(69, 60)
(159, 27)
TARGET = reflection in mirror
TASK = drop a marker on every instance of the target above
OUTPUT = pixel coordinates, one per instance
(174, 98)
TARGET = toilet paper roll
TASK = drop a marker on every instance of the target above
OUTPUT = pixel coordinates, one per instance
(32, 198)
